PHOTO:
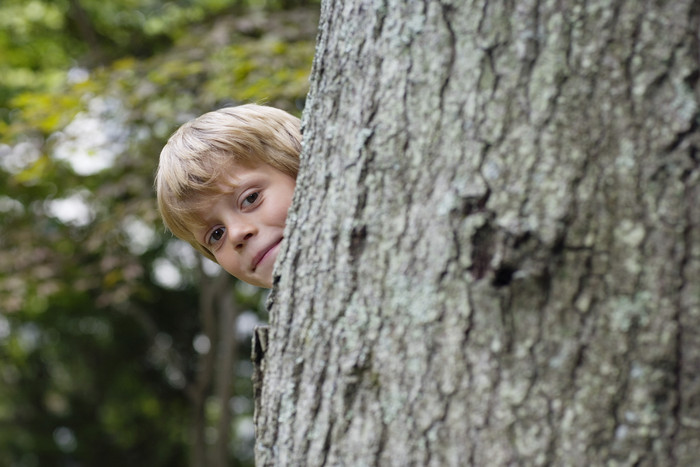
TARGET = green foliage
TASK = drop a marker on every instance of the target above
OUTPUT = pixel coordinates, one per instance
(40, 39)
(96, 343)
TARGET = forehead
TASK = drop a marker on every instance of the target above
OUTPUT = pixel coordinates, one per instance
(203, 206)
(239, 176)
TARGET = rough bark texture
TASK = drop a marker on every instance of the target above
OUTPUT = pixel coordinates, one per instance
(493, 256)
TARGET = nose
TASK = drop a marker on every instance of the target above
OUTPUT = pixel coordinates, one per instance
(241, 232)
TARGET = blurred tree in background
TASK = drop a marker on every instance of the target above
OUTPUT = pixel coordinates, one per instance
(118, 345)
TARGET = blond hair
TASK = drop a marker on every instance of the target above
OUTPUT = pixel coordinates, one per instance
(203, 151)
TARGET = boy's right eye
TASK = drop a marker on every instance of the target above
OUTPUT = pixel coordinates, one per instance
(216, 235)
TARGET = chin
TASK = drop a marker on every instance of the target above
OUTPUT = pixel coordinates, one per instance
(265, 284)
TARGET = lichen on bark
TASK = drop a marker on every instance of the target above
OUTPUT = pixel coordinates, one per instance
(491, 254)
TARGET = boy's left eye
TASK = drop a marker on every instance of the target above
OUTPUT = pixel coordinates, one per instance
(250, 199)
(215, 236)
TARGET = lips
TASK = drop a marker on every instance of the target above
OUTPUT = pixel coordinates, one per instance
(262, 253)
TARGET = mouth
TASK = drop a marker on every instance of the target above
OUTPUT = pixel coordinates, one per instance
(263, 253)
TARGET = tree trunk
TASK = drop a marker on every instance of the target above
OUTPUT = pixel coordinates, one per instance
(214, 377)
(493, 255)
(225, 373)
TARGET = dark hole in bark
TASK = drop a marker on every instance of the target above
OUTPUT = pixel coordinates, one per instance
(503, 276)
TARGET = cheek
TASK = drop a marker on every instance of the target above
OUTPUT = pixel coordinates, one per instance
(282, 208)
(286, 207)
(230, 264)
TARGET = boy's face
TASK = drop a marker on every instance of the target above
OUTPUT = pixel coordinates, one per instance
(245, 226)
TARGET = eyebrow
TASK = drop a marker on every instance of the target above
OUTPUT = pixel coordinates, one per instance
(201, 225)
(232, 184)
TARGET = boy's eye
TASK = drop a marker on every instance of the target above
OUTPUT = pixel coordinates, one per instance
(216, 235)
(250, 199)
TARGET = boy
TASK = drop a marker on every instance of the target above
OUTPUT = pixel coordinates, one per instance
(225, 182)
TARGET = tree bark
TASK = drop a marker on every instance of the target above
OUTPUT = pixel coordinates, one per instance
(493, 253)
